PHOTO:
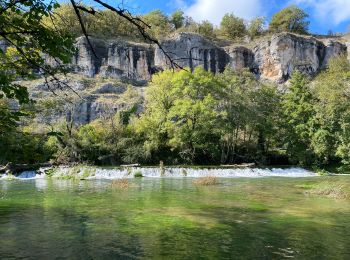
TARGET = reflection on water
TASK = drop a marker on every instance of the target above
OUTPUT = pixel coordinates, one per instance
(270, 218)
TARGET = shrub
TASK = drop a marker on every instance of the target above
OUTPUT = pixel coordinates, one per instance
(138, 174)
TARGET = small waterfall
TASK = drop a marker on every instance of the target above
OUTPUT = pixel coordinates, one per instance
(169, 172)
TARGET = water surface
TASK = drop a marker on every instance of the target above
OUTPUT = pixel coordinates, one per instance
(171, 218)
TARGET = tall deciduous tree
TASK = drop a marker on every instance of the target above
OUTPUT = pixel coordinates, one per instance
(298, 116)
(232, 27)
(177, 19)
(290, 19)
(331, 138)
(256, 27)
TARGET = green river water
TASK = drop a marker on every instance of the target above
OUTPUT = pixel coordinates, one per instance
(266, 218)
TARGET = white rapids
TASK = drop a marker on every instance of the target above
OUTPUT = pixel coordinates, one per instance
(168, 172)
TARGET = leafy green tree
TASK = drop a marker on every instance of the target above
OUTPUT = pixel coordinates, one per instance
(206, 29)
(256, 27)
(298, 120)
(153, 122)
(331, 138)
(181, 115)
(232, 27)
(159, 22)
(290, 19)
(251, 109)
(178, 19)
(193, 120)
(26, 38)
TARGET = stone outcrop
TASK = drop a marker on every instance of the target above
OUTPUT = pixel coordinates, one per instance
(191, 50)
(273, 57)
(276, 58)
(129, 61)
(116, 59)
(240, 57)
(88, 62)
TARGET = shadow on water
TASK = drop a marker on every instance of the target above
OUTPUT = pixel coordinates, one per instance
(163, 218)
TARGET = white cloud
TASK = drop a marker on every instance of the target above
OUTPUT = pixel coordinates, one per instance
(214, 10)
(331, 11)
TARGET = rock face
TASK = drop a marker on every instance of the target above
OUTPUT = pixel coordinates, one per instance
(240, 57)
(116, 59)
(273, 58)
(88, 62)
(96, 99)
(278, 57)
(191, 50)
(129, 61)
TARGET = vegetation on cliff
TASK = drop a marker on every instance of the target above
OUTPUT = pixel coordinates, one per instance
(107, 24)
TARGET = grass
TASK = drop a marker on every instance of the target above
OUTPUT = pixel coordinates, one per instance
(50, 172)
(335, 191)
(206, 181)
(138, 174)
(121, 184)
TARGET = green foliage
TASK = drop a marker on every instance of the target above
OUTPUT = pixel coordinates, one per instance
(233, 27)
(24, 49)
(251, 113)
(138, 174)
(256, 27)
(25, 40)
(178, 19)
(298, 115)
(50, 172)
(181, 115)
(206, 29)
(104, 24)
(192, 121)
(290, 19)
(159, 22)
(333, 111)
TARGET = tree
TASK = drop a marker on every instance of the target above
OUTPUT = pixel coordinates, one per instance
(298, 115)
(26, 38)
(251, 109)
(181, 116)
(331, 139)
(206, 29)
(158, 22)
(152, 124)
(256, 27)
(193, 120)
(290, 19)
(232, 27)
(177, 19)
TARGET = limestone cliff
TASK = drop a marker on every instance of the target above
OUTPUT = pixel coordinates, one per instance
(272, 57)
(191, 50)
(102, 79)
(276, 58)
(116, 59)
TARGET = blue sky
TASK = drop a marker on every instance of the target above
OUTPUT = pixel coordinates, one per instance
(325, 15)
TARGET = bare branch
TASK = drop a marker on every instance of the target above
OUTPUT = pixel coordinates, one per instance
(90, 11)
(77, 12)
